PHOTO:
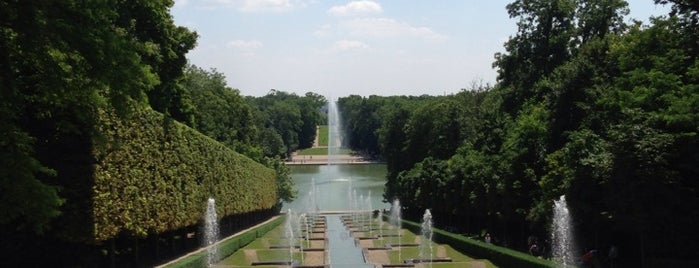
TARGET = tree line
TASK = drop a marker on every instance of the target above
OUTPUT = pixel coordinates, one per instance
(586, 105)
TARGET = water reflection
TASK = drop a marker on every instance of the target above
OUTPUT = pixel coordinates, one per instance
(333, 183)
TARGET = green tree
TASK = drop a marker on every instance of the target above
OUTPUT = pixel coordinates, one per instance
(162, 48)
(221, 113)
(60, 63)
(310, 115)
(543, 42)
(294, 118)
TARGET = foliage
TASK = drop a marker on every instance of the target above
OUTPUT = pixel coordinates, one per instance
(284, 183)
(586, 106)
(221, 113)
(60, 62)
(154, 175)
(288, 118)
(162, 48)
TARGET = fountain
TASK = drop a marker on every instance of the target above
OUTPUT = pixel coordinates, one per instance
(396, 221)
(562, 239)
(211, 232)
(289, 234)
(426, 232)
(334, 137)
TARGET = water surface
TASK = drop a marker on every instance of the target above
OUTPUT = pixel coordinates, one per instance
(334, 186)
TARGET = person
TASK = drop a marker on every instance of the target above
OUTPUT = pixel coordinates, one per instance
(487, 238)
(534, 249)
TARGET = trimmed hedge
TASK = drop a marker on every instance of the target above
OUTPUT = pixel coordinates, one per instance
(228, 247)
(503, 257)
(153, 175)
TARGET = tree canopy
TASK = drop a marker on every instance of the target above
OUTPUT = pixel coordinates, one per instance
(585, 106)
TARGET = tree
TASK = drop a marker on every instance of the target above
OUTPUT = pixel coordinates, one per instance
(60, 63)
(221, 113)
(163, 49)
(311, 117)
(543, 42)
(294, 118)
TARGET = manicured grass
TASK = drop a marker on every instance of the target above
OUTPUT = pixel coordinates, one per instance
(323, 135)
(321, 151)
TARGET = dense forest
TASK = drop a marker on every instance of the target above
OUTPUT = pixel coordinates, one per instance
(63, 65)
(586, 105)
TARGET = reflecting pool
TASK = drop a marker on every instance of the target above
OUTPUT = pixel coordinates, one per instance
(338, 187)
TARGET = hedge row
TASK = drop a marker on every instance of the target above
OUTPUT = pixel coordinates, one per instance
(500, 256)
(228, 247)
(153, 175)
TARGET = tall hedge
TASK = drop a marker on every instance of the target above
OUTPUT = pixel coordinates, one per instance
(152, 175)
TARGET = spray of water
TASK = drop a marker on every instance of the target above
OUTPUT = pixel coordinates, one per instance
(396, 221)
(334, 136)
(562, 238)
(426, 232)
(289, 234)
(211, 232)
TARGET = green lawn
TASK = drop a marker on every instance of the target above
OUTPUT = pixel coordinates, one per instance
(322, 151)
(323, 135)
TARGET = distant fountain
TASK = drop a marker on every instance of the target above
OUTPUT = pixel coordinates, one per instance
(396, 221)
(334, 132)
(211, 232)
(426, 232)
(562, 238)
(289, 234)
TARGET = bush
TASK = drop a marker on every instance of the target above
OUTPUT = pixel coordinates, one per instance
(151, 174)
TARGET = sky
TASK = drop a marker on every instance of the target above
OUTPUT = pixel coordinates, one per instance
(339, 48)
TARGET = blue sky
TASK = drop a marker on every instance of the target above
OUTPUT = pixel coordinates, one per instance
(338, 48)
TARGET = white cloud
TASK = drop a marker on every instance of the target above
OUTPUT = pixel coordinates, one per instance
(389, 28)
(356, 8)
(266, 5)
(245, 5)
(246, 46)
(343, 45)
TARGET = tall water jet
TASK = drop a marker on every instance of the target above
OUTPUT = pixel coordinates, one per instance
(334, 130)
(396, 221)
(562, 238)
(426, 232)
(211, 232)
(289, 234)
